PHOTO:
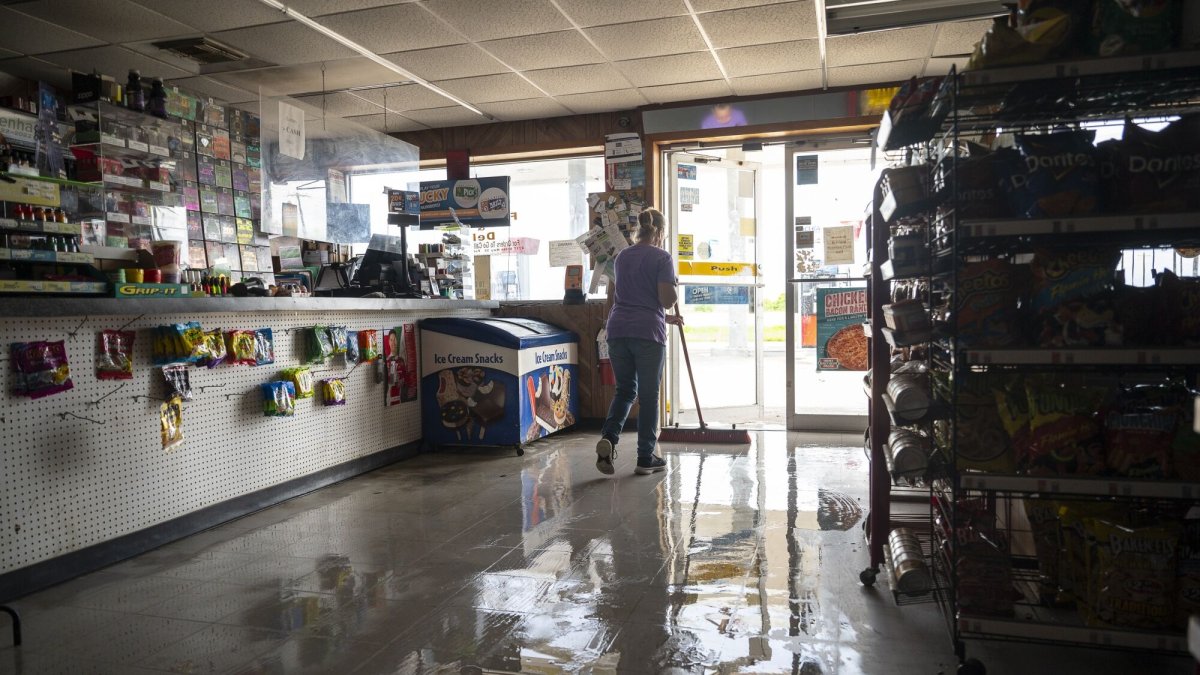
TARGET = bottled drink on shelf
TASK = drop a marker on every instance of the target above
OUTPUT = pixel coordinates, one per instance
(135, 97)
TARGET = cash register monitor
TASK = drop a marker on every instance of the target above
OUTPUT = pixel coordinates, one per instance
(377, 261)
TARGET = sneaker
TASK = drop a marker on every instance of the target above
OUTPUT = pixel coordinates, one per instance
(649, 466)
(605, 454)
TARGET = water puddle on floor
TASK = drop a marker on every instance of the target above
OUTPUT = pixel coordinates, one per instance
(835, 511)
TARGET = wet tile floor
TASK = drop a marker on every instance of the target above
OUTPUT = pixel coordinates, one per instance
(734, 560)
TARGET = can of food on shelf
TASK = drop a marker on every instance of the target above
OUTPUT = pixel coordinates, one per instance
(912, 574)
(910, 394)
(909, 451)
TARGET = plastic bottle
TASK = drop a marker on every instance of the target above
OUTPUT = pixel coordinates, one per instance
(157, 104)
(135, 97)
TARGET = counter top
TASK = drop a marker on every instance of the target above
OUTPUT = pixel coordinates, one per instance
(39, 307)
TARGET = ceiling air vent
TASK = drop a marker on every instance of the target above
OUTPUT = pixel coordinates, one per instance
(202, 50)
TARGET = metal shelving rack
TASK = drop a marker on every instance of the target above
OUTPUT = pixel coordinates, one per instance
(1026, 98)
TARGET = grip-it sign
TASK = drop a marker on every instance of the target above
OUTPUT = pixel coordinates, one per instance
(481, 202)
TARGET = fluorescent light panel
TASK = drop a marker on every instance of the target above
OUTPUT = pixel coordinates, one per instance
(367, 53)
(846, 17)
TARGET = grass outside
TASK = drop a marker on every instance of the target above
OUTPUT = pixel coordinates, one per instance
(721, 333)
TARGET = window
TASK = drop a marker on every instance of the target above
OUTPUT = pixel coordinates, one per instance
(548, 201)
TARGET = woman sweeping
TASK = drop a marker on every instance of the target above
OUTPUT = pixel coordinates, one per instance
(645, 287)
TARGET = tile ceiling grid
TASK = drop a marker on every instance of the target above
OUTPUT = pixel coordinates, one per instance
(607, 58)
(466, 38)
(708, 43)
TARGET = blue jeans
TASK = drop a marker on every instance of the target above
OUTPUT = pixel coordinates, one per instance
(637, 365)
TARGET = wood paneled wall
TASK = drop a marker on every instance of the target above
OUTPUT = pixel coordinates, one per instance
(554, 133)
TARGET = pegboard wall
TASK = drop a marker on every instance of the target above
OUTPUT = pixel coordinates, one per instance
(86, 466)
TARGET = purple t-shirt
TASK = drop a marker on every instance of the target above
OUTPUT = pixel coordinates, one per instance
(636, 312)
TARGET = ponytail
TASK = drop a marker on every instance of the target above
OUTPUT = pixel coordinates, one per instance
(651, 224)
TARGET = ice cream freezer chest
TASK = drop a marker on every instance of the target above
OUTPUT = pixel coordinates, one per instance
(496, 381)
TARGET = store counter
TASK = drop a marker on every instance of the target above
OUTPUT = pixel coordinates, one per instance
(96, 479)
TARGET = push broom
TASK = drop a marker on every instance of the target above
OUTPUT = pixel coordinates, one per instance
(705, 434)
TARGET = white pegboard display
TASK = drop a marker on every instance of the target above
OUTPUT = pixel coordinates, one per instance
(69, 483)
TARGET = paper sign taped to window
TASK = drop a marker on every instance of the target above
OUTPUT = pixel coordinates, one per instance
(839, 245)
(291, 130)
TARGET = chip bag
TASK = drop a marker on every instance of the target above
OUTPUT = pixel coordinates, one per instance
(279, 399)
(1133, 575)
(1063, 275)
(1059, 176)
(337, 339)
(179, 381)
(368, 346)
(351, 347)
(333, 391)
(170, 415)
(318, 346)
(41, 369)
(1123, 27)
(301, 378)
(264, 347)
(114, 360)
(1065, 433)
(241, 347)
(1138, 441)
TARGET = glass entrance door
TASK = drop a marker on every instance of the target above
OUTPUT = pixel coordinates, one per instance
(828, 191)
(713, 209)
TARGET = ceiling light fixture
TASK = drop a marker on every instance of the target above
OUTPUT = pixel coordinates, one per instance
(822, 34)
(367, 53)
(848, 17)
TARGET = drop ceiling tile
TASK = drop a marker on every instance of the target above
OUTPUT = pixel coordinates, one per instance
(940, 67)
(603, 101)
(115, 61)
(490, 88)
(662, 70)
(108, 20)
(286, 44)
(201, 17)
(720, 5)
(592, 13)
(959, 37)
(307, 78)
(878, 73)
(448, 63)
(393, 28)
(342, 104)
(548, 50)
(386, 124)
(780, 22)
(777, 82)
(687, 92)
(780, 57)
(33, 68)
(404, 97)
(498, 19)
(578, 79)
(453, 116)
(324, 7)
(659, 37)
(880, 46)
(207, 86)
(528, 109)
(29, 35)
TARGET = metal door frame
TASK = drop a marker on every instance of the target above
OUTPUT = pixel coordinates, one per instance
(796, 420)
(675, 367)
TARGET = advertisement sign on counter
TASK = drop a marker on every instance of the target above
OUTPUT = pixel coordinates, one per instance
(476, 202)
(841, 342)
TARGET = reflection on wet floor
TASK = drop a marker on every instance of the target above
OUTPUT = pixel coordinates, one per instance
(734, 560)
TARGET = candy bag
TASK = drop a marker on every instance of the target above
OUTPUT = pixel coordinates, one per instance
(264, 347)
(302, 378)
(115, 360)
(279, 399)
(179, 381)
(333, 391)
(317, 345)
(241, 344)
(368, 346)
(337, 339)
(170, 416)
(41, 368)
(351, 347)
(192, 342)
(214, 348)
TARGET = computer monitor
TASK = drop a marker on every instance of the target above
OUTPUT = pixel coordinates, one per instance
(386, 259)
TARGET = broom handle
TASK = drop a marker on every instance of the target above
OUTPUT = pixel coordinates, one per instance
(691, 378)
